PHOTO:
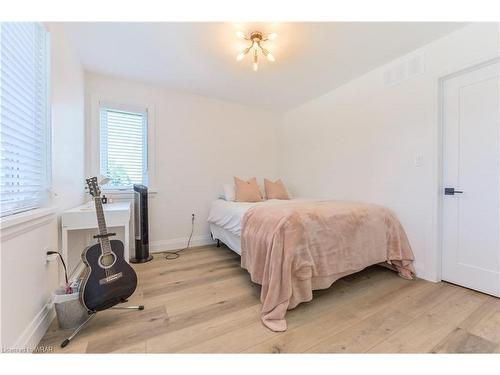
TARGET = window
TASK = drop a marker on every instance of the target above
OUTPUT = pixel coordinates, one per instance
(24, 117)
(123, 137)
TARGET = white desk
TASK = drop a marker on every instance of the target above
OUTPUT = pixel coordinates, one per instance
(84, 218)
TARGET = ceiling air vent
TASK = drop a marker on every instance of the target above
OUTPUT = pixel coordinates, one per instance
(403, 70)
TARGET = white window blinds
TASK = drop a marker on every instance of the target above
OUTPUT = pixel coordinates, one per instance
(24, 131)
(123, 137)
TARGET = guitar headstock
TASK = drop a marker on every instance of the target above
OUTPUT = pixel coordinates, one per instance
(93, 187)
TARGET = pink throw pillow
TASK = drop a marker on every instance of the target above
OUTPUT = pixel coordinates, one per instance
(247, 191)
(275, 190)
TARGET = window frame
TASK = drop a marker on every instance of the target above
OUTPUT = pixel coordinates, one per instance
(93, 137)
(46, 202)
(145, 133)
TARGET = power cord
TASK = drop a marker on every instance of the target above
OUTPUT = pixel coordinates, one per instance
(171, 255)
(62, 261)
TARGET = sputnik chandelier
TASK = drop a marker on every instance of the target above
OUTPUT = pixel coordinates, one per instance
(255, 39)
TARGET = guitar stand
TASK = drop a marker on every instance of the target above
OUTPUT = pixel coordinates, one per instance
(92, 314)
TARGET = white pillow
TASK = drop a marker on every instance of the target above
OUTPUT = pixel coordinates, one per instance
(229, 192)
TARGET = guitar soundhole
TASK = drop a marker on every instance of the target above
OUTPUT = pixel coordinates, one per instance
(107, 260)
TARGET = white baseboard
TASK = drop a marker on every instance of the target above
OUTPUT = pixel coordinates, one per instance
(32, 335)
(422, 274)
(180, 243)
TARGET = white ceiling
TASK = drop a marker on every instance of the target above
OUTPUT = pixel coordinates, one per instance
(311, 58)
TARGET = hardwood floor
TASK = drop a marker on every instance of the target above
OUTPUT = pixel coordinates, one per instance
(204, 302)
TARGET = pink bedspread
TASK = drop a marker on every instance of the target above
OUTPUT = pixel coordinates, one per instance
(293, 248)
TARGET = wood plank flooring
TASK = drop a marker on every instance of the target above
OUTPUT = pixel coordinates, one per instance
(204, 302)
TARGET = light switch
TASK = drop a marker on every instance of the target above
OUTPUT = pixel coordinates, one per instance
(418, 160)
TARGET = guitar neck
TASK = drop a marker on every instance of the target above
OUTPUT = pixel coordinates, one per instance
(101, 223)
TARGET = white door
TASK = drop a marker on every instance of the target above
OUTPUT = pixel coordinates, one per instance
(471, 166)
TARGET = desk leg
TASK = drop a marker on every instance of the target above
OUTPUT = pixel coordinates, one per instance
(65, 253)
(127, 243)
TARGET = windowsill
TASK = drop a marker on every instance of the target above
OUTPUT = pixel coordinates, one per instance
(126, 191)
(14, 225)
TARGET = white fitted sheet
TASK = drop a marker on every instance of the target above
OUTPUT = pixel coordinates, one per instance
(228, 215)
(226, 237)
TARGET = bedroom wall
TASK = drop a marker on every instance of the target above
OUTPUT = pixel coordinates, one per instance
(200, 144)
(27, 279)
(372, 141)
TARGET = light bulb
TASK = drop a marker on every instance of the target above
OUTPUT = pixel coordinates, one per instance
(270, 57)
(272, 36)
(255, 66)
(240, 56)
(240, 34)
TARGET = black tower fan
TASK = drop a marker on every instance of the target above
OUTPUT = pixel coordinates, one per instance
(141, 225)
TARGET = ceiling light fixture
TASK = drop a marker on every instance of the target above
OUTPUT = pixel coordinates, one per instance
(256, 38)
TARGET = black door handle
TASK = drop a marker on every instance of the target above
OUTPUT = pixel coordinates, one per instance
(452, 191)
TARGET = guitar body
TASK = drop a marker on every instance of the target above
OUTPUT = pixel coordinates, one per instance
(108, 278)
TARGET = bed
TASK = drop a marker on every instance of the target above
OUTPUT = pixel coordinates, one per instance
(292, 247)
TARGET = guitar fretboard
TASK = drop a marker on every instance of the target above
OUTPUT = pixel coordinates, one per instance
(101, 223)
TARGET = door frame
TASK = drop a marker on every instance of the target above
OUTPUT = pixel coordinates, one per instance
(440, 150)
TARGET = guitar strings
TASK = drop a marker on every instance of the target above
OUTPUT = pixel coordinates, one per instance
(102, 226)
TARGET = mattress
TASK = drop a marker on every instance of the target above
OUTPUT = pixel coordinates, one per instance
(228, 215)
(226, 237)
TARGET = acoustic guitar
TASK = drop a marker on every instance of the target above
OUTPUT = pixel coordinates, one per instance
(108, 278)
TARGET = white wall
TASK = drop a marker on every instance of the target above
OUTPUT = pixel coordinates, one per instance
(200, 144)
(26, 278)
(360, 141)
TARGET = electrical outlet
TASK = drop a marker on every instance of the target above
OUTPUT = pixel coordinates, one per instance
(51, 257)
